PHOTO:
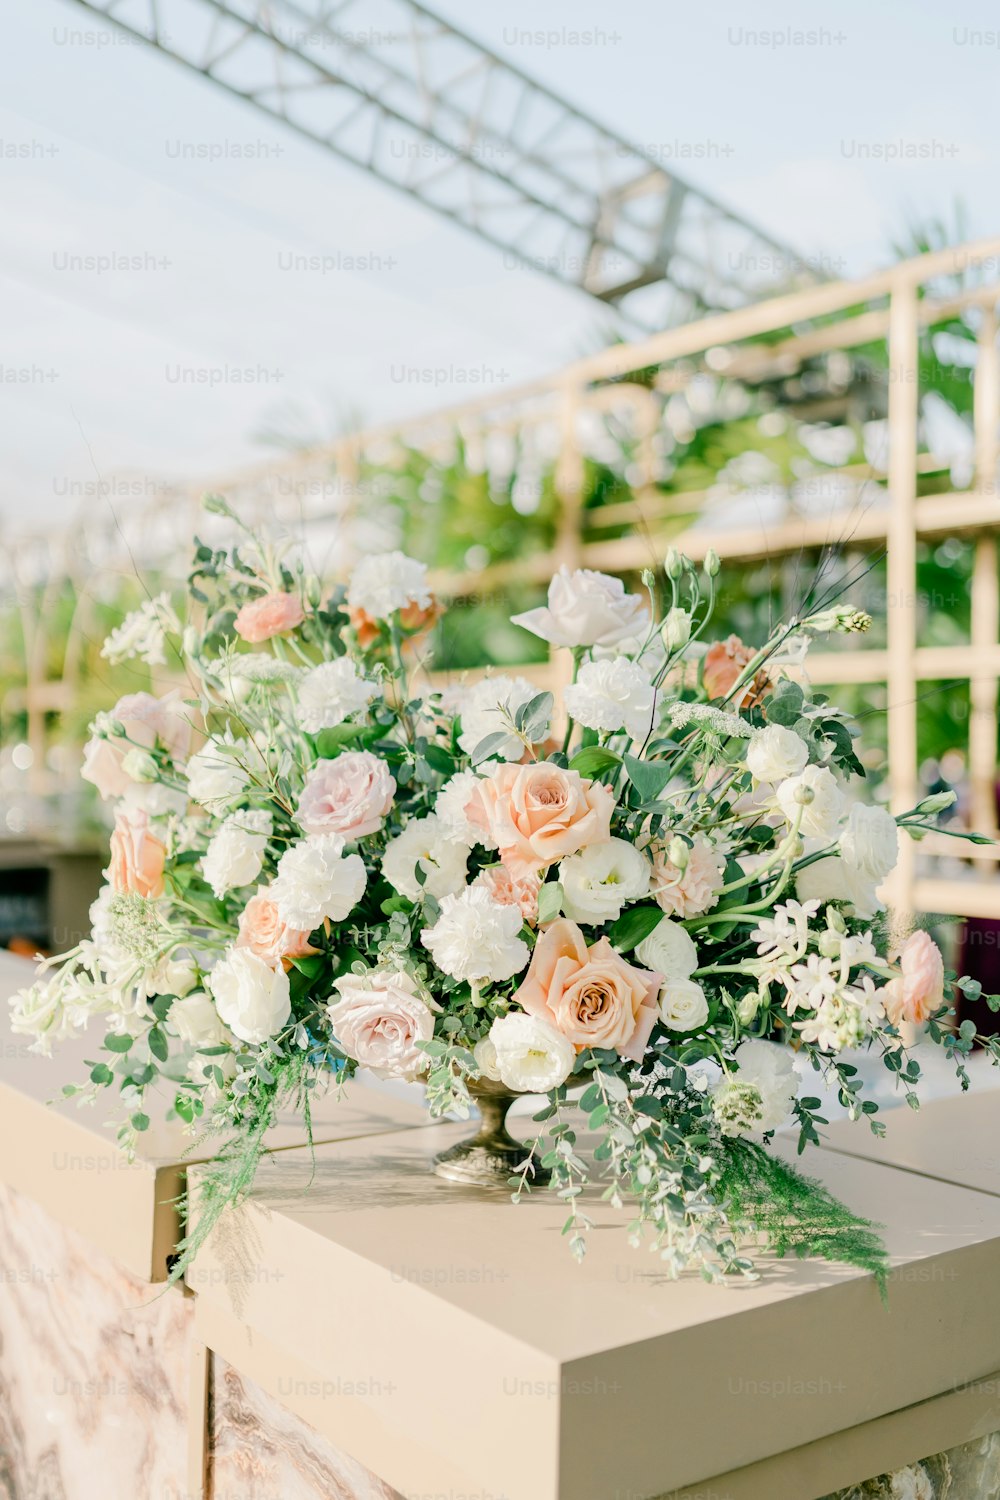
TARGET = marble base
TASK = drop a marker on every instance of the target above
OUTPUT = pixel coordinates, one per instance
(969, 1472)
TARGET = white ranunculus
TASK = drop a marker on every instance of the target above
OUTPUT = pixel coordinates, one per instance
(477, 939)
(386, 582)
(316, 880)
(331, 693)
(775, 753)
(599, 880)
(586, 609)
(531, 1056)
(683, 1006)
(612, 694)
(759, 1096)
(668, 950)
(235, 856)
(481, 715)
(870, 842)
(486, 1059)
(252, 998)
(216, 774)
(816, 793)
(450, 805)
(196, 1021)
(834, 879)
(442, 860)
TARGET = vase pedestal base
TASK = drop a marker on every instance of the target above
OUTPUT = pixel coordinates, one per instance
(493, 1156)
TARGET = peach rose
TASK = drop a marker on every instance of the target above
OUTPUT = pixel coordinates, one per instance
(539, 813)
(137, 856)
(723, 665)
(691, 891)
(272, 614)
(522, 893)
(145, 720)
(918, 990)
(590, 995)
(350, 795)
(264, 933)
(414, 619)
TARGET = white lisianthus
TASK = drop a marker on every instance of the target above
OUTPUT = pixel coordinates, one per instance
(775, 753)
(195, 1020)
(759, 1096)
(235, 856)
(386, 582)
(612, 694)
(217, 774)
(481, 714)
(316, 880)
(816, 794)
(835, 879)
(173, 976)
(683, 1006)
(486, 1059)
(531, 1056)
(252, 998)
(450, 805)
(143, 634)
(586, 609)
(331, 693)
(668, 950)
(442, 860)
(599, 880)
(870, 842)
(477, 939)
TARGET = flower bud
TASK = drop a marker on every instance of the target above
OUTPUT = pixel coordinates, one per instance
(803, 795)
(676, 629)
(713, 567)
(673, 564)
(936, 802)
(678, 853)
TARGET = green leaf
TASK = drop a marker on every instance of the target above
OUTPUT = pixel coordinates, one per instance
(632, 926)
(161, 1005)
(101, 1073)
(550, 899)
(140, 1122)
(330, 742)
(785, 705)
(491, 745)
(310, 964)
(439, 760)
(158, 1044)
(648, 777)
(594, 760)
(115, 1043)
(532, 718)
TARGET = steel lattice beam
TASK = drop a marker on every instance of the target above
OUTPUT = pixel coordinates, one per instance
(393, 88)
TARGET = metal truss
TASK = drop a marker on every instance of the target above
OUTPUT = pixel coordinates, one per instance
(393, 88)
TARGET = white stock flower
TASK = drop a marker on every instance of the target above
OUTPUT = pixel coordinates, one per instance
(683, 1006)
(38, 1012)
(143, 633)
(477, 939)
(870, 842)
(531, 1056)
(612, 694)
(331, 693)
(816, 793)
(450, 805)
(586, 609)
(235, 856)
(316, 881)
(775, 753)
(668, 950)
(196, 1021)
(599, 880)
(442, 860)
(388, 581)
(217, 773)
(252, 998)
(481, 715)
(759, 1096)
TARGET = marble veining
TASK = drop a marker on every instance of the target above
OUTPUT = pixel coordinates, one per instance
(969, 1472)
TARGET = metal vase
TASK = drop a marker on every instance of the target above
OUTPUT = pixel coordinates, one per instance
(490, 1157)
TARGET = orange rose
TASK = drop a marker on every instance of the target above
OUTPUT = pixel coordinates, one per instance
(137, 856)
(722, 667)
(264, 933)
(414, 619)
(539, 813)
(590, 995)
(273, 614)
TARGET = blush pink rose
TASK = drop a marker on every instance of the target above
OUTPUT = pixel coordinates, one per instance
(350, 795)
(592, 996)
(137, 856)
(522, 893)
(538, 813)
(264, 933)
(691, 891)
(379, 1020)
(145, 720)
(918, 990)
(271, 615)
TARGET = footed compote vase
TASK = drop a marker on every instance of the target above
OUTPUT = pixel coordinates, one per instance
(492, 1156)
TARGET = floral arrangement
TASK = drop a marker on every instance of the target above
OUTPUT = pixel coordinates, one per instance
(655, 905)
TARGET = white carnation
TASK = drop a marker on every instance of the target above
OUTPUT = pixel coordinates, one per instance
(235, 855)
(450, 805)
(386, 582)
(477, 939)
(775, 753)
(196, 1021)
(143, 634)
(759, 1096)
(442, 860)
(870, 842)
(481, 713)
(252, 999)
(683, 1006)
(316, 881)
(668, 950)
(531, 1056)
(599, 880)
(612, 694)
(816, 794)
(329, 694)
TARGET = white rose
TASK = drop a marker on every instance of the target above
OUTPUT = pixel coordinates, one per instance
(477, 939)
(531, 1056)
(599, 880)
(450, 805)
(776, 753)
(386, 582)
(252, 998)
(442, 860)
(759, 1096)
(486, 1059)
(235, 856)
(330, 693)
(316, 881)
(821, 814)
(586, 609)
(870, 842)
(668, 950)
(683, 1006)
(480, 713)
(833, 879)
(612, 694)
(216, 774)
(196, 1021)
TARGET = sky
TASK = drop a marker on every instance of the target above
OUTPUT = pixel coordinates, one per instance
(828, 133)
